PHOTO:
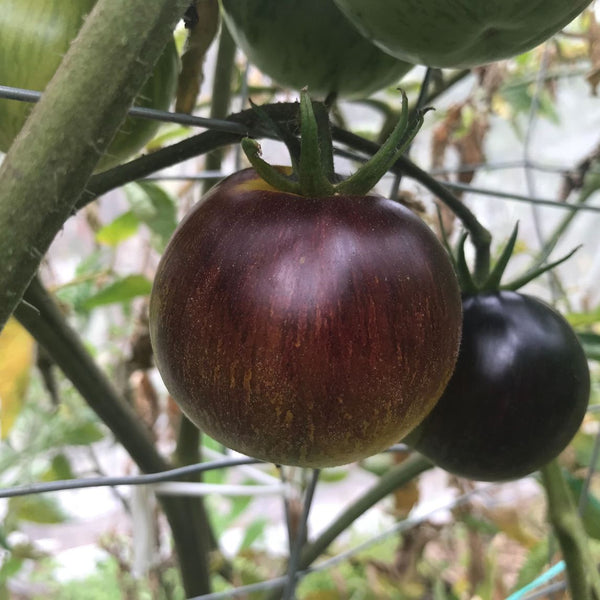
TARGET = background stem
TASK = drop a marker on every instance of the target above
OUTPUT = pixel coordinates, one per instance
(82, 107)
(584, 581)
(393, 479)
(44, 321)
(221, 95)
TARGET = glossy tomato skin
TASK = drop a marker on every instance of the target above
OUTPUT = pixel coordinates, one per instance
(309, 43)
(35, 35)
(517, 396)
(459, 33)
(304, 331)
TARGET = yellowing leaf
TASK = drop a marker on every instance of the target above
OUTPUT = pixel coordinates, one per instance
(16, 357)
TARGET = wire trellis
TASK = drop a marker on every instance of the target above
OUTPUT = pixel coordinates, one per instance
(166, 482)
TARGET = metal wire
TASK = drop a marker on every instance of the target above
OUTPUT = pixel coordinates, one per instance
(156, 478)
(24, 95)
(170, 475)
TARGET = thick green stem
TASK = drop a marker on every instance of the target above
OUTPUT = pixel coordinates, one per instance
(221, 95)
(45, 322)
(82, 107)
(393, 479)
(582, 573)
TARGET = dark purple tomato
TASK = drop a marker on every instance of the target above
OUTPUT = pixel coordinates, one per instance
(304, 331)
(517, 396)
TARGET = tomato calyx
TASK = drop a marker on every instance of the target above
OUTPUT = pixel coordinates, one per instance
(491, 279)
(312, 158)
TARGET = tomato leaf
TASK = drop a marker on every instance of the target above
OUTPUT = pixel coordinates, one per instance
(16, 350)
(253, 532)
(60, 468)
(591, 511)
(535, 563)
(591, 344)
(122, 228)
(154, 207)
(82, 434)
(122, 290)
(37, 509)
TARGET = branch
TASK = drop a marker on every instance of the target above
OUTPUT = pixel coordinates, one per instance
(584, 581)
(82, 107)
(393, 479)
(45, 322)
(221, 95)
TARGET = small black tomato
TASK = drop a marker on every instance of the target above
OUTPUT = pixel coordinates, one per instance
(517, 396)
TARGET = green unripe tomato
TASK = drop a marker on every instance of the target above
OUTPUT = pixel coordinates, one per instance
(35, 34)
(459, 33)
(309, 43)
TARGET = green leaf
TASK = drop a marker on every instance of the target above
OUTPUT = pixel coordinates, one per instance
(122, 228)
(223, 520)
(584, 319)
(82, 434)
(535, 563)
(122, 290)
(253, 532)
(37, 509)
(591, 513)
(10, 567)
(591, 344)
(60, 468)
(154, 207)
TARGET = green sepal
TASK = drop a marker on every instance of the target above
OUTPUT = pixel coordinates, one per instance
(269, 173)
(493, 280)
(445, 240)
(463, 273)
(534, 273)
(311, 171)
(284, 133)
(367, 176)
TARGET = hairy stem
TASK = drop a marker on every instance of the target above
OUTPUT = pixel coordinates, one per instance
(82, 107)
(45, 322)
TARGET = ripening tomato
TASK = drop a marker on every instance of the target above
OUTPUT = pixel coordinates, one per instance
(35, 35)
(309, 43)
(465, 33)
(309, 331)
(517, 396)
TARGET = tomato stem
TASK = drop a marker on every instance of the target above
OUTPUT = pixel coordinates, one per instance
(584, 580)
